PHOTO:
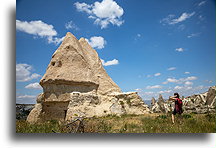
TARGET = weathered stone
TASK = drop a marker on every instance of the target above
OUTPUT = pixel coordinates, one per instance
(198, 103)
(160, 99)
(211, 96)
(106, 84)
(76, 84)
(35, 114)
(153, 101)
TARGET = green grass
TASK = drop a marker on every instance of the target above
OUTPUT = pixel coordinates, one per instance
(24, 127)
(187, 123)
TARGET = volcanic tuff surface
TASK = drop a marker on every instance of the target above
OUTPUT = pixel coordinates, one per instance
(76, 84)
(199, 103)
(76, 64)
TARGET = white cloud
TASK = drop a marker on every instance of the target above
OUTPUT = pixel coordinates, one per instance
(97, 42)
(148, 76)
(33, 86)
(193, 35)
(36, 28)
(209, 81)
(172, 80)
(181, 80)
(187, 72)
(23, 73)
(71, 25)
(104, 13)
(181, 27)
(83, 7)
(179, 49)
(55, 40)
(154, 87)
(188, 83)
(201, 3)
(188, 90)
(108, 63)
(157, 74)
(171, 68)
(39, 28)
(26, 97)
(190, 78)
(164, 91)
(178, 87)
(138, 35)
(138, 89)
(148, 93)
(166, 82)
(171, 20)
(183, 88)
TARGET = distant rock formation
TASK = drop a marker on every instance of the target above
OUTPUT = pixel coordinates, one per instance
(160, 106)
(210, 98)
(153, 101)
(76, 84)
(199, 103)
(23, 110)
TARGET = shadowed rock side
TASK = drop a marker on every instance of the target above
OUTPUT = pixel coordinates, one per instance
(76, 84)
(200, 103)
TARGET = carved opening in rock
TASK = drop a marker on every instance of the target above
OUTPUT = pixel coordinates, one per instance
(65, 111)
(59, 63)
(67, 47)
(53, 63)
(55, 110)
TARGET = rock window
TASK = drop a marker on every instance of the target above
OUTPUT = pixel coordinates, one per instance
(53, 63)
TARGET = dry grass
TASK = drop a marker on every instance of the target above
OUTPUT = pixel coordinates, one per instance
(153, 123)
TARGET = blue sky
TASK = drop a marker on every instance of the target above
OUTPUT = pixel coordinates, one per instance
(153, 47)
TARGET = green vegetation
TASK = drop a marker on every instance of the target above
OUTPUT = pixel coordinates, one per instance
(187, 123)
(24, 127)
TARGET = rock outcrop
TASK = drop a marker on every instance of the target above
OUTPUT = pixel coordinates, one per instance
(199, 103)
(160, 106)
(76, 84)
(210, 98)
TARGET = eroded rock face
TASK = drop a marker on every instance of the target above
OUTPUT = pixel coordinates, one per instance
(210, 98)
(76, 84)
(199, 103)
(153, 101)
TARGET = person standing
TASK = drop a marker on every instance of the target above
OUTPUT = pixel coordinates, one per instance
(178, 106)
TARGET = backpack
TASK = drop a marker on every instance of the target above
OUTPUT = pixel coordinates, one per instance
(179, 103)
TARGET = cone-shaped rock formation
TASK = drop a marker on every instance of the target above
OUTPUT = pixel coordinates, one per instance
(76, 84)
